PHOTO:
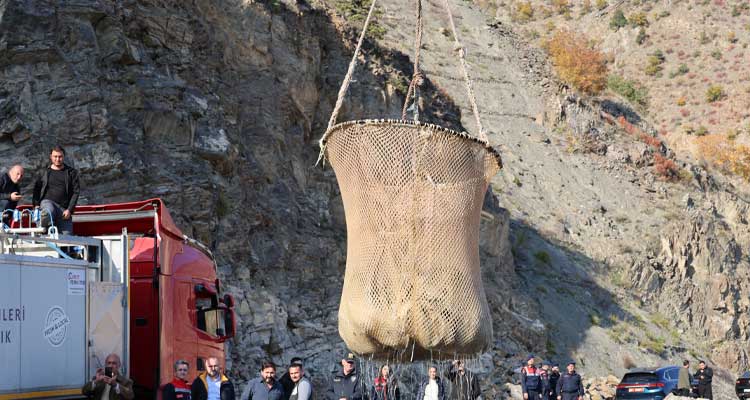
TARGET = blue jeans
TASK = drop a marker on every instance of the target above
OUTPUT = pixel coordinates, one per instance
(64, 226)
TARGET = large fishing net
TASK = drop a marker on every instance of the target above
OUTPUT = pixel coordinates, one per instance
(413, 196)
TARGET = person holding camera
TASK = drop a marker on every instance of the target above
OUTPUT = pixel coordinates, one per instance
(108, 384)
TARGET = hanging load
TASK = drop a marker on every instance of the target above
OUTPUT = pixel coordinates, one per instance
(413, 195)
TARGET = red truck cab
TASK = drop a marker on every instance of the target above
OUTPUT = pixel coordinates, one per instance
(176, 307)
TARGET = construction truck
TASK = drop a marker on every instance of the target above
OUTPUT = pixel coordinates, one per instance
(127, 282)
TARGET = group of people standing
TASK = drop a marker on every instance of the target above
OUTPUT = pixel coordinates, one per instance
(547, 383)
(703, 378)
(347, 384)
(464, 385)
(293, 384)
(213, 384)
(56, 192)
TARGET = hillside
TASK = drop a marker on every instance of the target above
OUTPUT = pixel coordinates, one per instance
(686, 60)
(215, 106)
(618, 266)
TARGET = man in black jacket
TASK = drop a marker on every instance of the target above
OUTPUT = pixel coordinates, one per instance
(704, 375)
(56, 192)
(554, 376)
(212, 382)
(346, 384)
(10, 193)
(570, 384)
(464, 384)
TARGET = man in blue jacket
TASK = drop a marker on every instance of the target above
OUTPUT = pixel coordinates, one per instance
(346, 382)
(264, 387)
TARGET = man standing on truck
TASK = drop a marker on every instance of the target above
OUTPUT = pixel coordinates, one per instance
(179, 388)
(108, 384)
(56, 192)
(212, 385)
(265, 387)
(10, 193)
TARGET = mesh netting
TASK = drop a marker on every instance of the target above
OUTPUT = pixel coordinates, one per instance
(413, 196)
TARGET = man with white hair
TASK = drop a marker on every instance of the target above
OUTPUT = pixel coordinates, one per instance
(10, 193)
(179, 387)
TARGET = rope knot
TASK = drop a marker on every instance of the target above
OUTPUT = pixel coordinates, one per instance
(418, 78)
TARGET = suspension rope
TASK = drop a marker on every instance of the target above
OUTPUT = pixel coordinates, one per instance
(417, 79)
(345, 85)
(464, 69)
(350, 72)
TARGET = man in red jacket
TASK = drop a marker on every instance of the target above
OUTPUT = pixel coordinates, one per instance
(179, 388)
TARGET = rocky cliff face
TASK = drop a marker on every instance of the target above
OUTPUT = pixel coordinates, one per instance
(215, 107)
(700, 276)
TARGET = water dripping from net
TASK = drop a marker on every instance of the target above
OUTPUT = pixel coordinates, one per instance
(406, 376)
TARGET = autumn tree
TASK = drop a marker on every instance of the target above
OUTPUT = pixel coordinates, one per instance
(725, 155)
(577, 61)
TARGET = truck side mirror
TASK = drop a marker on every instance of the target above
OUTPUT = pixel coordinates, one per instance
(228, 300)
(229, 324)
